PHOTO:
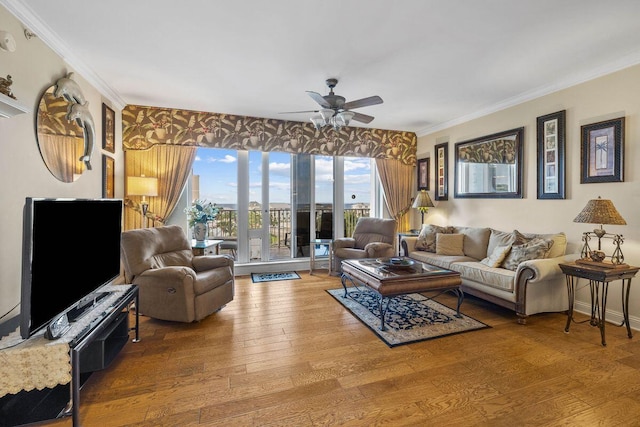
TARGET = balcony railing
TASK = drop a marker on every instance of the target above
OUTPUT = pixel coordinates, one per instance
(226, 224)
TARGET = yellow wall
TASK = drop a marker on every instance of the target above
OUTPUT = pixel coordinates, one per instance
(34, 67)
(608, 97)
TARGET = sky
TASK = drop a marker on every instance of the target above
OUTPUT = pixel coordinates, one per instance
(218, 171)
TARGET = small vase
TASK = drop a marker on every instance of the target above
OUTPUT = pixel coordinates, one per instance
(200, 231)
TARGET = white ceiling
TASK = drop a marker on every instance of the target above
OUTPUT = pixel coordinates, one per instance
(435, 63)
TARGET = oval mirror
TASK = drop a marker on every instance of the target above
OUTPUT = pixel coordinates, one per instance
(61, 141)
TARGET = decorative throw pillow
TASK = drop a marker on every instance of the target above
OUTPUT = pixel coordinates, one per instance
(497, 256)
(500, 238)
(519, 238)
(533, 249)
(449, 244)
(427, 237)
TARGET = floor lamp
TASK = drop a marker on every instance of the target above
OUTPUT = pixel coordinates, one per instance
(142, 186)
(422, 203)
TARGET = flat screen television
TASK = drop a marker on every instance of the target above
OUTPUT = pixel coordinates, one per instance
(70, 249)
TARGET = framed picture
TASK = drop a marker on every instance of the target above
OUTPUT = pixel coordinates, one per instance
(551, 160)
(441, 163)
(602, 152)
(423, 174)
(108, 129)
(490, 166)
(108, 177)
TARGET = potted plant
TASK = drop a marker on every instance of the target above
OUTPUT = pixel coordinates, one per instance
(199, 214)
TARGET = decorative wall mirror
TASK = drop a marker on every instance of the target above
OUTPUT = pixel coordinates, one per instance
(490, 166)
(65, 130)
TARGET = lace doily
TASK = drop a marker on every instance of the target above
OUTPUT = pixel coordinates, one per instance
(39, 363)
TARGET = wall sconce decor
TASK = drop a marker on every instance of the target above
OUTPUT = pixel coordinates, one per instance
(142, 186)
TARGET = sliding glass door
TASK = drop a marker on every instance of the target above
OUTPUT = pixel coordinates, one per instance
(276, 204)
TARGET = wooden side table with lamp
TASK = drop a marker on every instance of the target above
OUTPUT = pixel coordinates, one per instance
(600, 271)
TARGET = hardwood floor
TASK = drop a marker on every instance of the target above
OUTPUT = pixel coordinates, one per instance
(285, 353)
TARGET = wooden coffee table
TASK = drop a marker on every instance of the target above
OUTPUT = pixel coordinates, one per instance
(388, 280)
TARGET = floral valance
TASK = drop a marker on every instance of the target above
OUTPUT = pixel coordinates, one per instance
(144, 127)
(493, 151)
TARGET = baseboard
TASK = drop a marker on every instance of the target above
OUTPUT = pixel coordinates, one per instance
(271, 267)
(612, 316)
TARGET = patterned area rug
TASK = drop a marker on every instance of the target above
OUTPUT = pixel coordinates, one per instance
(409, 318)
(271, 277)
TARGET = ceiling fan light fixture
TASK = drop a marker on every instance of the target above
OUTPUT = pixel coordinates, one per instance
(335, 112)
(326, 114)
(344, 118)
(318, 122)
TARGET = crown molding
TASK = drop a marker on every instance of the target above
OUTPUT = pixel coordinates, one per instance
(573, 80)
(21, 10)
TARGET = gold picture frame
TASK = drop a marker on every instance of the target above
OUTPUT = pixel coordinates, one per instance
(108, 129)
(108, 177)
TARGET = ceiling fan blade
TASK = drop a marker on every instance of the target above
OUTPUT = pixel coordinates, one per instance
(319, 99)
(364, 102)
(363, 118)
(294, 112)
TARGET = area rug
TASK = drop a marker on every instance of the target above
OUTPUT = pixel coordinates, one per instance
(410, 318)
(271, 277)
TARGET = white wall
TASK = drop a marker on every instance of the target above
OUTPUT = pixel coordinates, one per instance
(34, 67)
(608, 97)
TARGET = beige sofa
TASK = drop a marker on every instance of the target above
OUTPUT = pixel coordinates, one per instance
(515, 270)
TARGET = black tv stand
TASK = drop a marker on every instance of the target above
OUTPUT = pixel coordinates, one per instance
(91, 349)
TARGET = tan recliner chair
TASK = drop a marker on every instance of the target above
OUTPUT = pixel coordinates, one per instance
(372, 238)
(173, 283)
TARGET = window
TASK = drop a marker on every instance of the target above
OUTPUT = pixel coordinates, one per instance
(305, 197)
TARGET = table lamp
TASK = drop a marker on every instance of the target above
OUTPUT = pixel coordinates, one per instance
(601, 211)
(422, 203)
(142, 186)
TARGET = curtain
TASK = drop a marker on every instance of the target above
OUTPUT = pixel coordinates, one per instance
(396, 178)
(172, 166)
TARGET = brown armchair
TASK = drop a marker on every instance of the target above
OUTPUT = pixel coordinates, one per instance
(372, 238)
(173, 283)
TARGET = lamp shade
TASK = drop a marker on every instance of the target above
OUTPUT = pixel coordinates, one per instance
(345, 117)
(422, 201)
(326, 114)
(142, 186)
(600, 211)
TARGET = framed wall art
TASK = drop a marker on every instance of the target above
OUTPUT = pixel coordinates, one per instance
(490, 166)
(108, 177)
(108, 129)
(423, 174)
(602, 152)
(551, 158)
(441, 163)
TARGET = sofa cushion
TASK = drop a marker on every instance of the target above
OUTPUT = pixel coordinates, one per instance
(444, 261)
(427, 237)
(476, 241)
(497, 256)
(449, 244)
(533, 249)
(497, 278)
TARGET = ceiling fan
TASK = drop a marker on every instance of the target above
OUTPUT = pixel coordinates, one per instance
(335, 110)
